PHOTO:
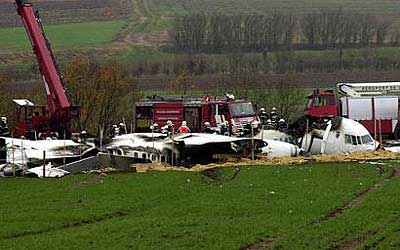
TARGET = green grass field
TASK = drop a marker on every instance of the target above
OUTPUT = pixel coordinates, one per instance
(63, 36)
(282, 207)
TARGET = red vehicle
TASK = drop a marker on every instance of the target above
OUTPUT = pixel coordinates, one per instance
(379, 114)
(56, 117)
(321, 105)
(196, 111)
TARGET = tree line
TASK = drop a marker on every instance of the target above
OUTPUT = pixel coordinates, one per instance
(277, 31)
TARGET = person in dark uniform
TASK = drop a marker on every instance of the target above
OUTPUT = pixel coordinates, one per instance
(122, 128)
(263, 116)
(4, 131)
(207, 128)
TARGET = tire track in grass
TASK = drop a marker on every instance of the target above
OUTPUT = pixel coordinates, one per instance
(264, 243)
(352, 244)
(72, 224)
(358, 197)
(258, 245)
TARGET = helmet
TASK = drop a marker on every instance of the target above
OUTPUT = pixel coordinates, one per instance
(184, 123)
(273, 109)
(155, 125)
(121, 124)
(207, 124)
(282, 121)
(115, 126)
(262, 109)
(83, 132)
(269, 121)
(169, 123)
(4, 119)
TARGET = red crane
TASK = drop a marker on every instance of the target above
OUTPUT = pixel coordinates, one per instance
(57, 116)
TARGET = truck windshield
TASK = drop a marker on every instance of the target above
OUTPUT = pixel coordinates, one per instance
(242, 109)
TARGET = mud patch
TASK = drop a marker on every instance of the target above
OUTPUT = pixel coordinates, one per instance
(93, 220)
(259, 245)
(151, 39)
(92, 180)
(216, 176)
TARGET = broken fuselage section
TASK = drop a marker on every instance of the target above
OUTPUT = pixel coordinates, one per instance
(182, 150)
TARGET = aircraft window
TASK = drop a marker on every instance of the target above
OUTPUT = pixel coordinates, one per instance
(359, 140)
(337, 134)
(347, 139)
(354, 140)
(144, 156)
(153, 158)
(366, 139)
(136, 155)
(162, 158)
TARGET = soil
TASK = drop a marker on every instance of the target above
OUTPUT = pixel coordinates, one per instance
(68, 11)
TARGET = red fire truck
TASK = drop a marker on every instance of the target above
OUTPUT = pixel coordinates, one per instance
(374, 105)
(196, 111)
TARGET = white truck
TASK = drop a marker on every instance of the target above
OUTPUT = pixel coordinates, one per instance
(374, 105)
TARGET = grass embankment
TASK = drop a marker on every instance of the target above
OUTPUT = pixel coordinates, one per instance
(64, 35)
(179, 210)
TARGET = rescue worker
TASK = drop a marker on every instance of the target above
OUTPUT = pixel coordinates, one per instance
(274, 117)
(184, 129)
(282, 126)
(83, 136)
(155, 128)
(114, 131)
(122, 128)
(168, 128)
(4, 131)
(225, 128)
(263, 116)
(207, 128)
(269, 125)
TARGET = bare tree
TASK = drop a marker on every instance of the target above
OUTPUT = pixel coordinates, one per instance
(102, 92)
(383, 26)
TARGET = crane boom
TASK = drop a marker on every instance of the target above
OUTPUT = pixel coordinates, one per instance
(59, 112)
(56, 97)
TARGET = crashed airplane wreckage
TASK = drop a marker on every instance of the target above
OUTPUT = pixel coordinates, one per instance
(183, 150)
(68, 156)
(340, 135)
(19, 156)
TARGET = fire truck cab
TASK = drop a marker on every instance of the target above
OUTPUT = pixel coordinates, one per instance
(321, 104)
(374, 105)
(196, 111)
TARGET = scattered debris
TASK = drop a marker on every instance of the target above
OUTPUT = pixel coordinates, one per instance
(265, 161)
(47, 171)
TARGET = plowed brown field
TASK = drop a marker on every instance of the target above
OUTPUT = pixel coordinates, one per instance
(68, 11)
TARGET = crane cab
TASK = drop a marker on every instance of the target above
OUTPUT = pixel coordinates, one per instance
(30, 118)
